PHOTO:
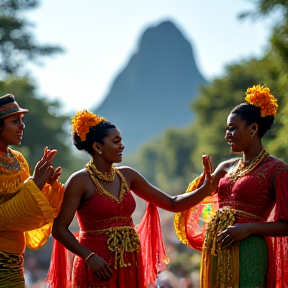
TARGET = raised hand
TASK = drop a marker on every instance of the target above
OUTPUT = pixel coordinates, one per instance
(100, 266)
(55, 176)
(207, 167)
(44, 172)
(210, 181)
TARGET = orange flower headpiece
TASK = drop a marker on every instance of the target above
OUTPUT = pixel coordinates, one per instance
(83, 121)
(260, 96)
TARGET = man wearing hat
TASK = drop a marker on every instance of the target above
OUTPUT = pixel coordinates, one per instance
(28, 204)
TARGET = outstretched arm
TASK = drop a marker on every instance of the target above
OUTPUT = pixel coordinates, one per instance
(142, 188)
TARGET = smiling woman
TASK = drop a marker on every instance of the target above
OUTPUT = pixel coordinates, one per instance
(241, 244)
(109, 250)
(13, 131)
(27, 204)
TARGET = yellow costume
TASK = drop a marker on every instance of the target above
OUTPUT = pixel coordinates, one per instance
(26, 216)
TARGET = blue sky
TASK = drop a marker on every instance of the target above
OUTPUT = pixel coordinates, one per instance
(99, 36)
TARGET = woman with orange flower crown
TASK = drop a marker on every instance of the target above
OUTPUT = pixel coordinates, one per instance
(109, 251)
(242, 232)
(28, 205)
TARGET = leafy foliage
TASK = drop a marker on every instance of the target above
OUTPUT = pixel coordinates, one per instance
(17, 44)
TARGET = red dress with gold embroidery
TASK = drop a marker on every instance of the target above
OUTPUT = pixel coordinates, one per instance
(106, 227)
(259, 196)
(257, 193)
(101, 218)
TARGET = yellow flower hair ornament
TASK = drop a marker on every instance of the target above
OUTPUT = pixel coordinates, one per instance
(260, 96)
(83, 121)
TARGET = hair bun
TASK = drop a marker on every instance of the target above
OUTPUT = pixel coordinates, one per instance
(80, 145)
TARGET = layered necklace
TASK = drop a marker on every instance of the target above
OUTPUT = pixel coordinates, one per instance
(106, 176)
(9, 164)
(239, 170)
(92, 170)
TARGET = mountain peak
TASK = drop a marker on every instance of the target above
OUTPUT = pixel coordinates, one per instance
(163, 33)
(161, 79)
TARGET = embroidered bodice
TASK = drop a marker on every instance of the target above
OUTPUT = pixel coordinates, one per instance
(255, 192)
(103, 211)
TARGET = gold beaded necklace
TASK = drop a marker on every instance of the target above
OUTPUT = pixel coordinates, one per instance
(9, 164)
(123, 189)
(239, 169)
(106, 176)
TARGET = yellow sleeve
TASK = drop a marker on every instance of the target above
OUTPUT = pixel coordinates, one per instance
(38, 237)
(31, 211)
(180, 218)
(28, 210)
(54, 194)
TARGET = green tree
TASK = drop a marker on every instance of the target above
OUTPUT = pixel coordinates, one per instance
(216, 101)
(278, 10)
(46, 125)
(17, 44)
(278, 54)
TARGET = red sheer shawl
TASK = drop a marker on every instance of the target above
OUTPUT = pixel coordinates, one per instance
(190, 225)
(152, 247)
(60, 271)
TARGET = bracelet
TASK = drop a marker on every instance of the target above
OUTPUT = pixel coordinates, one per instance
(90, 255)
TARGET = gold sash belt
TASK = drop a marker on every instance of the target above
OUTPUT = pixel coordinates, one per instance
(120, 239)
(225, 257)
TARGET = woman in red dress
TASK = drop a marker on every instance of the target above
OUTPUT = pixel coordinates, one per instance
(109, 251)
(251, 205)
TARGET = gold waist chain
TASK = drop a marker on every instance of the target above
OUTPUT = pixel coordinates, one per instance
(120, 239)
(222, 219)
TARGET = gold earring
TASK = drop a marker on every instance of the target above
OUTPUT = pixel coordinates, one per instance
(252, 135)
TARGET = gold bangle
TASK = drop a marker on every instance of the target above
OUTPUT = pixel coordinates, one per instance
(90, 255)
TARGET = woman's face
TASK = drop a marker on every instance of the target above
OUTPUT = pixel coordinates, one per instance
(237, 133)
(11, 133)
(112, 148)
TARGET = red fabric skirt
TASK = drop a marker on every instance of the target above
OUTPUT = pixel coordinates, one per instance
(140, 267)
(130, 276)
